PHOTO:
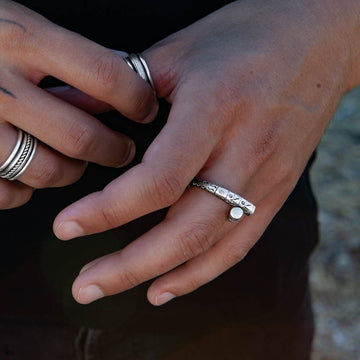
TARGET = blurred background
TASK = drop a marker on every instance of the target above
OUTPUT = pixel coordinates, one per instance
(335, 277)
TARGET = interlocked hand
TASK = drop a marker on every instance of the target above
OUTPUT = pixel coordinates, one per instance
(32, 48)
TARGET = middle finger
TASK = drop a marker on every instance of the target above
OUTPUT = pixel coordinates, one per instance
(62, 126)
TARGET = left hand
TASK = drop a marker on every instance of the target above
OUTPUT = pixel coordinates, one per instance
(252, 88)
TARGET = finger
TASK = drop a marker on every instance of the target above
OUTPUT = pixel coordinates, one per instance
(63, 127)
(224, 254)
(47, 167)
(13, 194)
(167, 168)
(193, 226)
(95, 70)
(79, 99)
(188, 230)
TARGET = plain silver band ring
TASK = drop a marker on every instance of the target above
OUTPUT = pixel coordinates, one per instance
(138, 64)
(20, 157)
(231, 198)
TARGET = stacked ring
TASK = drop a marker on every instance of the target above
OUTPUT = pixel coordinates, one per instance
(138, 64)
(239, 205)
(20, 157)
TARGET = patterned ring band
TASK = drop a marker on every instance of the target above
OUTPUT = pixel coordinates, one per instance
(138, 64)
(239, 205)
(20, 157)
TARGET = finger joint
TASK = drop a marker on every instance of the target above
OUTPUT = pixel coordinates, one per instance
(167, 189)
(196, 240)
(105, 70)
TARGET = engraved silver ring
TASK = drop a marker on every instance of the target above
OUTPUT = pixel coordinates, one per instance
(239, 205)
(138, 64)
(20, 157)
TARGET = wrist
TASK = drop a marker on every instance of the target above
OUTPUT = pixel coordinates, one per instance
(354, 45)
(337, 26)
(343, 24)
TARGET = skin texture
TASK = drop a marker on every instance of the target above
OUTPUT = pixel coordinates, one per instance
(252, 93)
(32, 48)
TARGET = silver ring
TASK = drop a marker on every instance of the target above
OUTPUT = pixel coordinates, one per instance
(239, 205)
(20, 157)
(138, 64)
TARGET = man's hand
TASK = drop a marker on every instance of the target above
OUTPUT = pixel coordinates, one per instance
(252, 88)
(32, 48)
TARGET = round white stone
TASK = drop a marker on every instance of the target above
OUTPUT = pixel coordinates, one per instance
(235, 214)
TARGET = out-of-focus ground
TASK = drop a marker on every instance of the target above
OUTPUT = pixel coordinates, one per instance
(335, 277)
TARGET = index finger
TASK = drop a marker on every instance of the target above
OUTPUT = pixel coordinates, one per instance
(174, 158)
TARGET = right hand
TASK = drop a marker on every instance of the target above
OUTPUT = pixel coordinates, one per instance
(32, 48)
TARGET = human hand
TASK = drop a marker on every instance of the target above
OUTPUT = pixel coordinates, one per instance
(32, 48)
(252, 88)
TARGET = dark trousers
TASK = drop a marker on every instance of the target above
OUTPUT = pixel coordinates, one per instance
(258, 310)
(29, 341)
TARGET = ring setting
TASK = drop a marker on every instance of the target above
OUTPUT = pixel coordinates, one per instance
(239, 205)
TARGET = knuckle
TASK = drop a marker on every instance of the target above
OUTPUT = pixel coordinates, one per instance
(232, 99)
(113, 211)
(110, 216)
(105, 69)
(80, 142)
(46, 176)
(196, 240)
(266, 145)
(128, 279)
(166, 189)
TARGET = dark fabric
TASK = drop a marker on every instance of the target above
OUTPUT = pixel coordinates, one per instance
(23, 340)
(260, 306)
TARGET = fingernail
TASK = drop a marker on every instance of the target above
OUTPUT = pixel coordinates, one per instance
(89, 294)
(68, 230)
(164, 298)
(130, 154)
